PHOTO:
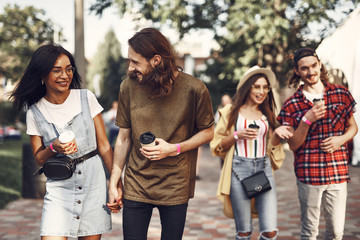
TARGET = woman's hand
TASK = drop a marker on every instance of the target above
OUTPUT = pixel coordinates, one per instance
(284, 132)
(247, 133)
(64, 148)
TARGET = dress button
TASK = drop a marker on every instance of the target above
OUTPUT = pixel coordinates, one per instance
(80, 188)
(77, 217)
(78, 201)
(79, 172)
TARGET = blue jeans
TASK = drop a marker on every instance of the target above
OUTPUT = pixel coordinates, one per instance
(137, 215)
(266, 202)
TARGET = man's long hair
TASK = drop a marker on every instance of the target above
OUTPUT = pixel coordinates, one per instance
(294, 79)
(148, 43)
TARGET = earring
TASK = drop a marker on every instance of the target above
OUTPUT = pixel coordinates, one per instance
(42, 82)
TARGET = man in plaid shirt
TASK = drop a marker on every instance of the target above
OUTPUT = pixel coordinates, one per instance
(320, 115)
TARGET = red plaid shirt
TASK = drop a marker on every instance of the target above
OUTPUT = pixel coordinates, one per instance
(312, 165)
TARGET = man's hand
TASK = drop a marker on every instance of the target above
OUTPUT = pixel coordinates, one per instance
(331, 144)
(317, 112)
(162, 150)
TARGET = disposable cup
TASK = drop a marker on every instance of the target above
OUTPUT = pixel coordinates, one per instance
(255, 127)
(318, 101)
(67, 136)
(147, 139)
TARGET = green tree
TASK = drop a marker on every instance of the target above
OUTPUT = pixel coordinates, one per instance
(252, 32)
(22, 31)
(110, 67)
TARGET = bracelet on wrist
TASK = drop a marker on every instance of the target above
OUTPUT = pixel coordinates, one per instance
(52, 148)
(177, 149)
(236, 137)
(306, 120)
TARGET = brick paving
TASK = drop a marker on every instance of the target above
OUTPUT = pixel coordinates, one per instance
(20, 220)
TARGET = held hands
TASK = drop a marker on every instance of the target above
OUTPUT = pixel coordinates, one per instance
(65, 148)
(162, 150)
(115, 197)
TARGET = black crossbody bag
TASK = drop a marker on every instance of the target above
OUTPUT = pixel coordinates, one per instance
(255, 184)
(62, 167)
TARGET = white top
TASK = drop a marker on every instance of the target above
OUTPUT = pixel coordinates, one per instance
(311, 97)
(252, 148)
(60, 114)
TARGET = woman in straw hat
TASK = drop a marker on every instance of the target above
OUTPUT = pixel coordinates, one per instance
(245, 151)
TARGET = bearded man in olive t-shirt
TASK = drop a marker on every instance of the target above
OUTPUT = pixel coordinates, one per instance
(176, 107)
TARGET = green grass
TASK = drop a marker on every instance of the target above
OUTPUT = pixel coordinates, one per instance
(11, 169)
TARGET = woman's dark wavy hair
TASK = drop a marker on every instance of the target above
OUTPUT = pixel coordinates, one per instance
(30, 90)
(150, 42)
(267, 107)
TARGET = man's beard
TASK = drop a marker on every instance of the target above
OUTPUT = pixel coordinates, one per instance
(310, 79)
(148, 77)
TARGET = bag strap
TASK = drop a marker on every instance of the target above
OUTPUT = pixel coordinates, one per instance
(86, 156)
(74, 161)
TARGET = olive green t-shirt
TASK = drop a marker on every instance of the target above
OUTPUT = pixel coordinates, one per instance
(174, 118)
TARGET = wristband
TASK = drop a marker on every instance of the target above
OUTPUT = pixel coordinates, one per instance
(236, 136)
(178, 149)
(52, 148)
(306, 121)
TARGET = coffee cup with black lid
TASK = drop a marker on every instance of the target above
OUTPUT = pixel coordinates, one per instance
(147, 139)
(318, 101)
(255, 127)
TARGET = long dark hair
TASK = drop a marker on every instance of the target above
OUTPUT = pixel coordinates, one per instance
(148, 43)
(30, 89)
(267, 107)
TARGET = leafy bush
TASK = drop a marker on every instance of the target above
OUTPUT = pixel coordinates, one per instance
(11, 169)
(7, 195)
(9, 114)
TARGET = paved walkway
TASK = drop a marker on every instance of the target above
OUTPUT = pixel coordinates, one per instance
(205, 220)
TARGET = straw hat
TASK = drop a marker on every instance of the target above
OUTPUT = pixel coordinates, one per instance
(255, 70)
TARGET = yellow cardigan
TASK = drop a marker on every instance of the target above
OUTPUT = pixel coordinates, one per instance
(223, 190)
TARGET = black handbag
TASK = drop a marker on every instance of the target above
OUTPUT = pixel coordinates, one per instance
(62, 167)
(255, 184)
(58, 168)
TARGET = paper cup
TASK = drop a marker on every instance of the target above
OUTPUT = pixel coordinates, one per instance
(318, 101)
(255, 127)
(67, 136)
(147, 139)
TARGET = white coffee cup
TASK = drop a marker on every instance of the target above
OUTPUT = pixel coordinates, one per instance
(318, 101)
(67, 136)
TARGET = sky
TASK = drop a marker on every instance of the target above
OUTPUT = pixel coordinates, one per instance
(62, 14)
